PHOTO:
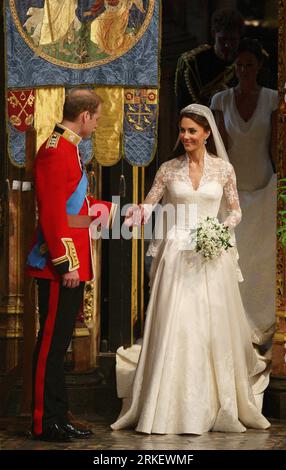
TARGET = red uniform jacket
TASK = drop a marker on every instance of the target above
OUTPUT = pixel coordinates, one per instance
(57, 174)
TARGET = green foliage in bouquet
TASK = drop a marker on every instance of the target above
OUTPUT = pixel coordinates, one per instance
(212, 238)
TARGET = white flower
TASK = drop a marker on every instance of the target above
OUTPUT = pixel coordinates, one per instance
(212, 238)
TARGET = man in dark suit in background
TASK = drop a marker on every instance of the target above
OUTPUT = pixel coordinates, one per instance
(207, 69)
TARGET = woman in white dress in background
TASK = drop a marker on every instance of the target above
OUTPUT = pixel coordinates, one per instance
(197, 370)
(246, 117)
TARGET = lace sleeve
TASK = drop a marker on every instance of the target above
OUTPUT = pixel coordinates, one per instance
(156, 192)
(158, 186)
(230, 192)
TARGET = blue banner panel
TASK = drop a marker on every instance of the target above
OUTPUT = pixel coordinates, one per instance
(64, 42)
(140, 125)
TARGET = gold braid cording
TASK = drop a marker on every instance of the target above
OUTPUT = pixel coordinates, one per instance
(88, 303)
(90, 293)
(188, 68)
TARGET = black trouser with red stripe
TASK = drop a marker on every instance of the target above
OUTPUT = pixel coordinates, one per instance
(58, 309)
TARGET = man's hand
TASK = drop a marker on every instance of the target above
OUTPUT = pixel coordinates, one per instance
(71, 279)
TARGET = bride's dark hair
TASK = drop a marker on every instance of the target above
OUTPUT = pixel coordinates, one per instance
(197, 118)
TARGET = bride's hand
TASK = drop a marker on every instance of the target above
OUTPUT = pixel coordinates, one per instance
(133, 216)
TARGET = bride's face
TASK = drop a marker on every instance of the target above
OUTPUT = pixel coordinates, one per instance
(192, 135)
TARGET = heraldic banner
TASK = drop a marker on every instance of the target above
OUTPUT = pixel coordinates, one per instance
(109, 45)
(63, 42)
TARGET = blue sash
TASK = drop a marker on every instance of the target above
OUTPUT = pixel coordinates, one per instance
(36, 259)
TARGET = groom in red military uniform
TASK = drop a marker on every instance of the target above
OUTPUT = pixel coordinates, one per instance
(60, 260)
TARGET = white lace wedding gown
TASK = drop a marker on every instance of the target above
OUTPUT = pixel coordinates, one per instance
(197, 368)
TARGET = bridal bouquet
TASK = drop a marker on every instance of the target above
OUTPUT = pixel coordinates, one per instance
(212, 238)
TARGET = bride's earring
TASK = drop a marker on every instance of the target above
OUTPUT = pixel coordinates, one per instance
(206, 141)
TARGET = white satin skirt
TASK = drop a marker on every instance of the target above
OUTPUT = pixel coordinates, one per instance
(197, 370)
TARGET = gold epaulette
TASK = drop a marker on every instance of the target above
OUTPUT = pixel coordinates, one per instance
(67, 134)
(53, 140)
(191, 55)
(71, 137)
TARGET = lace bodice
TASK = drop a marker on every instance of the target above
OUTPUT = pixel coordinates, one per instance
(174, 183)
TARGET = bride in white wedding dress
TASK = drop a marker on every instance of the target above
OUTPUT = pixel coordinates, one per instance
(197, 369)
